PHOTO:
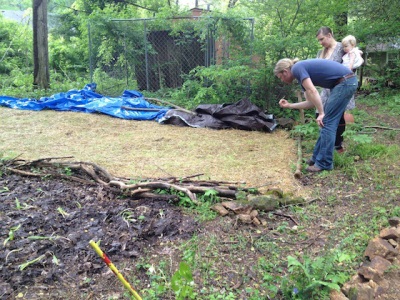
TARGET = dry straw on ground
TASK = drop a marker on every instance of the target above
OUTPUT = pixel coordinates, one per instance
(146, 149)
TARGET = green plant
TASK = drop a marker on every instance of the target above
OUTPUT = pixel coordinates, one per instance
(396, 211)
(158, 280)
(31, 262)
(67, 171)
(308, 131)
(62, 212)
(182, 282)
(4, 190)
(128, 216)
(11, 234)
(314, 277)
(217, 83)
(209, 196)
(353, 132)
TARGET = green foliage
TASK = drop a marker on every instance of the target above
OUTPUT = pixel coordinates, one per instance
(366, 151)
(396, 211)
(314, 278)
(158, 280)
(15, 46)
(355, 133)
(67, 55)
(307, 131)
(182, 283)
(216, 85)
(373, 22)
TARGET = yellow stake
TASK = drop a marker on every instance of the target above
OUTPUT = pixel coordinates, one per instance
(114, 269)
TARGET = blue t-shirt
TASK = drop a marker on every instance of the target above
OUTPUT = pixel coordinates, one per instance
(322, 72)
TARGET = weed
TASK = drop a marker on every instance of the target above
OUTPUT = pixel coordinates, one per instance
(308, 131)
(11, 234)
(49, 238)
(62, 212)
(4, 189)
(158, 280)
(22, 206)
(396, 211)
(314, 277)
(67, 171)
(31, 262)
(182, 282)
(128, 216)
(210, 196)
(17, 204)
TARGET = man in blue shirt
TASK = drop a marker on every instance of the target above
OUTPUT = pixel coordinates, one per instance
(326, 74)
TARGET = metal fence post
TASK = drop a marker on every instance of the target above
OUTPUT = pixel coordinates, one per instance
(90, 54)
(146, 58)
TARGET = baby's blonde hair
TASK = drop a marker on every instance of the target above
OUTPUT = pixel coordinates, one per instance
(349, 40)
(283, 64)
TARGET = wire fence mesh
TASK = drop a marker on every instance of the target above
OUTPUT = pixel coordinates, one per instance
(153, 54)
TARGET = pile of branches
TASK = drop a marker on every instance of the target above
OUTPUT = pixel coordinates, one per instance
(92, 174)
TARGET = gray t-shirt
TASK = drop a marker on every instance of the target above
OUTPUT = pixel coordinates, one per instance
(337, 55)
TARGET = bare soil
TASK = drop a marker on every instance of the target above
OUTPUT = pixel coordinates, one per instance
(58, 217)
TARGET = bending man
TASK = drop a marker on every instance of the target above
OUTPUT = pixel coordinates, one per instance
(326, 74)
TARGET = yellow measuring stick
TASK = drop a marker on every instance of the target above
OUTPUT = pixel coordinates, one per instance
(108, 262)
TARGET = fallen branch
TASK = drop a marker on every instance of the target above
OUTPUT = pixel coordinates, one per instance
(157, 185)
(91, 174)
(173, 105)
(286, 216)
(381, 127)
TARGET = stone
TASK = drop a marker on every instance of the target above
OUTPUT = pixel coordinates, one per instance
(253, 214)
(238, 207)
(394, 221)
(337, 295)
(264, 202)
(393, 243)
(256, 221)
(220, 209)
(375, 269)
(245, 218)
(355, 280)
(363, 292)
(390, 233)
(380, 247)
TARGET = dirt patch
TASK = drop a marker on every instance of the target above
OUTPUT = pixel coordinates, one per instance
(53, 222)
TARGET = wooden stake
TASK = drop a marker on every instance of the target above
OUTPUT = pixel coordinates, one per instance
(297, 173)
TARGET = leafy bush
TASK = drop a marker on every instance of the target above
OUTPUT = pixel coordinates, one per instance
(314, 277)
(216, 85)
(15, 46)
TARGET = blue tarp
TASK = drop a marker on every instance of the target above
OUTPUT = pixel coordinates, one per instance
(131, 105)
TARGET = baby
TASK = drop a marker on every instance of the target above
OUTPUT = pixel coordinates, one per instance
(352, 58)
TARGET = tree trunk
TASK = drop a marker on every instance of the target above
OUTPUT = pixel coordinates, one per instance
(41, 78)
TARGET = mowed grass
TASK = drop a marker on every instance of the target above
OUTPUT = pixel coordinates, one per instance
(147, 149)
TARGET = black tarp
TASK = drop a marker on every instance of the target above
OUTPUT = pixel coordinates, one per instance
(242, 115)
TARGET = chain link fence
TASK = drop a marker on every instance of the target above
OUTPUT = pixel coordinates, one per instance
(154, 54)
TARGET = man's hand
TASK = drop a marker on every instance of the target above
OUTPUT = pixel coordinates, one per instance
(319, 120)
(284, 103)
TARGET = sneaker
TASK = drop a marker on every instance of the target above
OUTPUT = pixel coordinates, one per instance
(313, 169)
(310, 162)
(340, 150)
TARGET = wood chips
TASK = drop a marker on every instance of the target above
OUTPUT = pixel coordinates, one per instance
(147, 149)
